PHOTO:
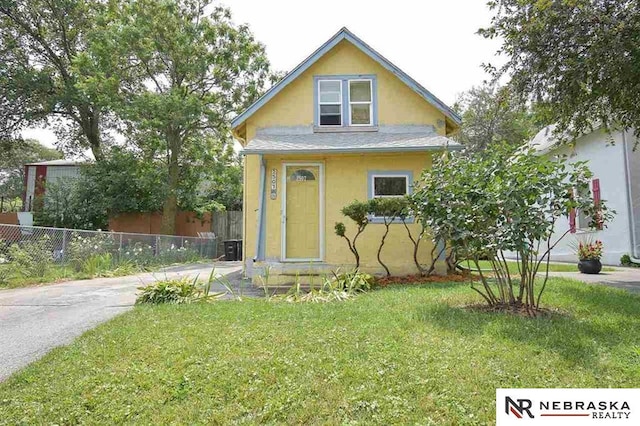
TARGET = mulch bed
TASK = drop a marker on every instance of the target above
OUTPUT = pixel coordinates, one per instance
(419, 279)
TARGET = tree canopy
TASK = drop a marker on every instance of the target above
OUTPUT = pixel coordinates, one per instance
(491, 115)
(39, 42)
(577, 59)
(175, 71)
(15, 154)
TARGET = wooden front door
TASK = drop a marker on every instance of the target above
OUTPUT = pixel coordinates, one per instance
(302, 212)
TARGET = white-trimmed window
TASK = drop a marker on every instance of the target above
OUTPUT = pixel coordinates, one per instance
(345, 101)
(389, 185)
(360, 102)
(330, 102)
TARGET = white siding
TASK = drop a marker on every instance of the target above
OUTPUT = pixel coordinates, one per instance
(31, 186)
(55, 173)
(58, 175)
(606, 161)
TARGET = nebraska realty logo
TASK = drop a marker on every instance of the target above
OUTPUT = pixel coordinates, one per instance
(567, 406)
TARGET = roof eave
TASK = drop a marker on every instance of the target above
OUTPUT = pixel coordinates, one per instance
(353, 150)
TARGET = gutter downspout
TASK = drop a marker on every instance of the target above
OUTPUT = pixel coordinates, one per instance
(627, 175)
(261, 203)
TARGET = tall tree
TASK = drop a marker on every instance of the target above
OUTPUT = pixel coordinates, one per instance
(577, 58)
(491, 115)
(39, 41)
(185, 70)
(14, 154)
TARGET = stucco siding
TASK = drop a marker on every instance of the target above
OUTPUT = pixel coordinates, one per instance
(397, 103)
(606, 161)
(345, 180)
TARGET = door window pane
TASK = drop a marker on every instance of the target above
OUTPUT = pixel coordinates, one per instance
(302, 176)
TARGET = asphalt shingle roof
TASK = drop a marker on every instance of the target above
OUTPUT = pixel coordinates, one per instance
(349, 142)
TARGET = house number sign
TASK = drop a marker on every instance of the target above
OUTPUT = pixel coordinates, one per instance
(274, 184)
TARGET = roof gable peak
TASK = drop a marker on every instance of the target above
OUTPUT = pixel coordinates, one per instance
(345, 34)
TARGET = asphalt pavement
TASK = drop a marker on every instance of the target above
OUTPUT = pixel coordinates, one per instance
(34, 320)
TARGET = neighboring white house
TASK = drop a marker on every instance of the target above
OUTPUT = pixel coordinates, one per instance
(39, 175)
(616, 171)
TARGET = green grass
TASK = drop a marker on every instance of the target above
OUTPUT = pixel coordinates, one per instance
(55, 273)
(553, 267)
(59, 273)
(403, 355)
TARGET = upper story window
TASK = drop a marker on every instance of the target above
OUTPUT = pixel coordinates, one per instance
(345, 101)
(330, 102)
(360, 99)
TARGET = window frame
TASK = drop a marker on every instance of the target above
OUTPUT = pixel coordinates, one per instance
(582, 220)
(350, 102)
(383, 175)
(345, 107)
(372, 174)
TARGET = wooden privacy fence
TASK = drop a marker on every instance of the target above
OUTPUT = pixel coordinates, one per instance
(227, 225)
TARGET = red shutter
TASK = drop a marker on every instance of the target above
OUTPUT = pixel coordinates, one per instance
(595, 185)
(572, 216)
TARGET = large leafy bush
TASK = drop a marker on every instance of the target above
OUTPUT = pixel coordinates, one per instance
(497, 201)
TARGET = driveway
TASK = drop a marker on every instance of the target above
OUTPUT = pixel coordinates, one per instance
(624, 278)
(35, 320)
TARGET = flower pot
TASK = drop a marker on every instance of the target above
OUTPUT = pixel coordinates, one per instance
(590, 266)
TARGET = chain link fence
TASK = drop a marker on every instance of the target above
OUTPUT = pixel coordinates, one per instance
(35, 244)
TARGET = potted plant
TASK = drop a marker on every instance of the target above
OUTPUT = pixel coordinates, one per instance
(589, 254)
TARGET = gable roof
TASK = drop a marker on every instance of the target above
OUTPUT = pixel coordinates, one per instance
(345, 34)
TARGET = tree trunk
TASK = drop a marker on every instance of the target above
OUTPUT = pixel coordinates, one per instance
(90, 123)
(170, 207)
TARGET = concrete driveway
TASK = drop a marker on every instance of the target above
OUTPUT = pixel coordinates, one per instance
(624, 278)
(35, 320)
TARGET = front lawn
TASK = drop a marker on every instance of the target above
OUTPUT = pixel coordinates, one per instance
(401, 355)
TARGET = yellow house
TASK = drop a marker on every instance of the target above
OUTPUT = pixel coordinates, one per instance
(346, 124)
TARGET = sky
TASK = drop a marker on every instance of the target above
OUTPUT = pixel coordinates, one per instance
(435, 42)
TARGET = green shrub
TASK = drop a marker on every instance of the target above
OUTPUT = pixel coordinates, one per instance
(81, 248)
(98, 265)
(388, 209)
(174, 254)
(5, 273)
(358, 212)
(340, 287)
(174, 291)
(625, 260)
(139, 254)
(354, 281)
(32, 258)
